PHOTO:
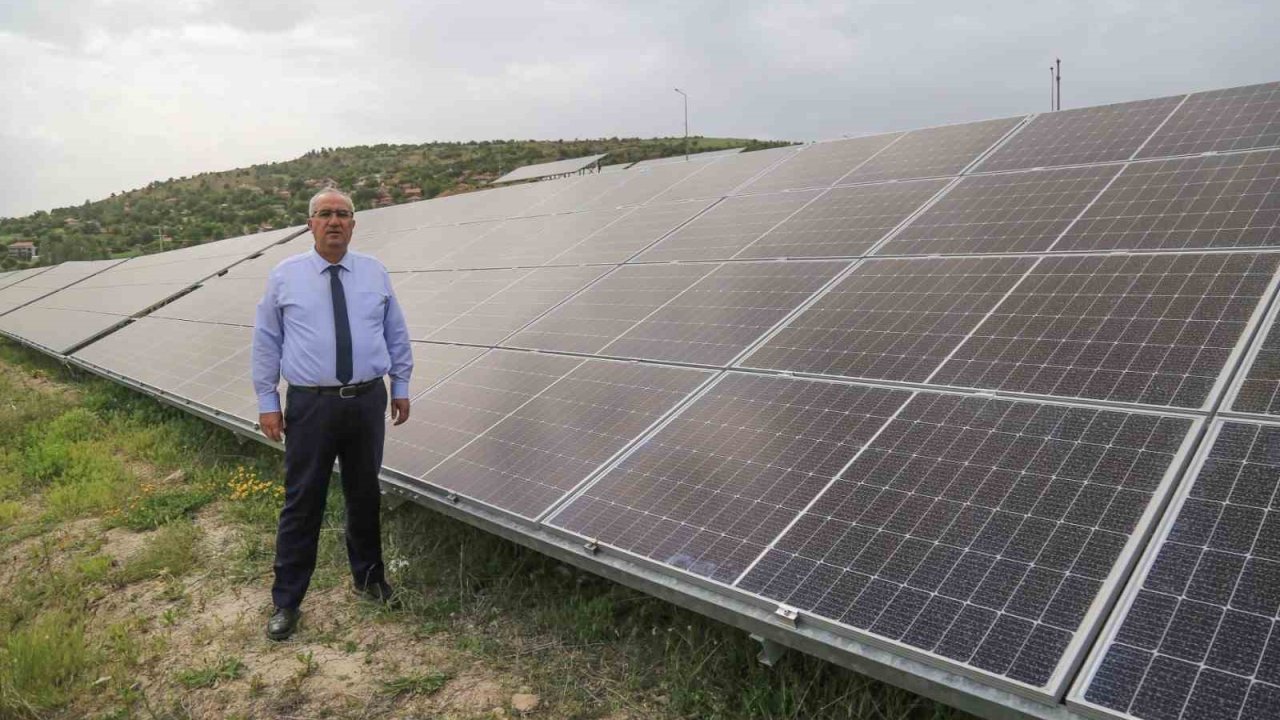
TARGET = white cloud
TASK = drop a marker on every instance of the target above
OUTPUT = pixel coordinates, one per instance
(105, 95)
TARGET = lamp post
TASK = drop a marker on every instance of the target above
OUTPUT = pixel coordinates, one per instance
(686, 123)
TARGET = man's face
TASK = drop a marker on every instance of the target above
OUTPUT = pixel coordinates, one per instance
(332, 233)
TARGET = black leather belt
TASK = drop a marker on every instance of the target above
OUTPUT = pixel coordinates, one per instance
(342, 391)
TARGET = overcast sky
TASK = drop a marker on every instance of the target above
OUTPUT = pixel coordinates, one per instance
(108, 95)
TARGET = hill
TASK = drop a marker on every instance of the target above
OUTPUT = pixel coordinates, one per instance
(178, 212)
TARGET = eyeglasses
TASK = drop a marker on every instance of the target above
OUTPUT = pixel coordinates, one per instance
(340, 214)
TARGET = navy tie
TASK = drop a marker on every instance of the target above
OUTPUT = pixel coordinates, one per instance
(341, 325)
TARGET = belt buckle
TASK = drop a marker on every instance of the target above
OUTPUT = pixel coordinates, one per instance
(342, 392)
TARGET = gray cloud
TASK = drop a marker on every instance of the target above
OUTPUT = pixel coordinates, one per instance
(107, 95)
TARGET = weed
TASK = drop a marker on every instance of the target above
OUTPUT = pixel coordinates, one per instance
(309, 664)
(171, 551)
(422, 684)
(222, 669)
(150, 509)
(42, 663)
(9, 512)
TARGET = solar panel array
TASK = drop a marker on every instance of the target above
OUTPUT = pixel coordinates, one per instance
(929, 391)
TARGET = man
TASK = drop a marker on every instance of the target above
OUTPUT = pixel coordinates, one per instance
(330, 324)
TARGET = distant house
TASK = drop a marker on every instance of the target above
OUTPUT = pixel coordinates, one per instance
(23, 250)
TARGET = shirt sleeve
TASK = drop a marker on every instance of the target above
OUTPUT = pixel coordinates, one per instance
(396, 332)
(268, 345)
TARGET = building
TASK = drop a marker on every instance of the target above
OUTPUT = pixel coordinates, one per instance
(23, 250)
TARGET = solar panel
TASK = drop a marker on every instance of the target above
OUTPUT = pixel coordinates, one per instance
(1084, 135)
(455, 412)
(201, 362)
(698, 157)
(933, 152)
(425, 248)
(55, 329)
(549, 169)
(16, 276)
(845, 221)
(37, 285)
(821, 164)
(1233, 119)
(1012, 212)
(983, 535)
(1258, 388)
(433, 362)
(705, 314)
(583, 194)
(723, 176)
(610, 307)
(634, 232)
(525, 242)
(230, 301)
(1200, 202)
(542, 450)
(728, 227)
(483, 306)
(1196, 634)
(1156, 329)
(644, 184)
(891, 319)
(711, 490)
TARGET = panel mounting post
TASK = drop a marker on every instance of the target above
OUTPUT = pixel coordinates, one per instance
(770, 652)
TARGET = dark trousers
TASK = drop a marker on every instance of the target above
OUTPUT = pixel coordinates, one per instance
(320, 429)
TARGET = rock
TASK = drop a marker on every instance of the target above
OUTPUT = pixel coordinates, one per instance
(524, 702)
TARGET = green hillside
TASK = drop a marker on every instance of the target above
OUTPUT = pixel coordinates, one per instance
(185, 211)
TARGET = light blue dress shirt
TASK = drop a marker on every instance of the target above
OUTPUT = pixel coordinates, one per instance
(293, 333)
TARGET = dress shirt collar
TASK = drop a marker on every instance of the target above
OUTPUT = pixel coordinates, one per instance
(322, 265)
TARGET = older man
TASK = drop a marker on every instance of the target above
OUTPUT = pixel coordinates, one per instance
(330, 324)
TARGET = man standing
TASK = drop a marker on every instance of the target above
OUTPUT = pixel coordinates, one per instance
(330, 324)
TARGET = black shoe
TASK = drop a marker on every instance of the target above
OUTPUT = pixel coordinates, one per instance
(282, 623)
(380, 592)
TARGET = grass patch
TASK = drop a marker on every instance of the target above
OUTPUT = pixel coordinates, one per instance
(151, 509)
(10, 511)
(42, 664)
(419, 684)
(221, 670)
(171, 552)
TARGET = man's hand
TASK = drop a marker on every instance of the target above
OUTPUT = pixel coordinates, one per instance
(399, 411)
(272, 425)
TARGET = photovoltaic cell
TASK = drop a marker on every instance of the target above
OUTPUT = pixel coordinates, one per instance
(1259, 391)
(610, 307)
(1012, 212)
(724, 175)
(526, 242)
(980, 531)
(632, 233)
(468, 403)
(844, 221)
(483, 306)
(539, 452)
(201, 362)
(933, 152)
(891, 319)
(644, 184)
(433, 362)
(57, 329)
(728, 227)
(37, 285)
(820, 165)
(1154, 329)
(1199, 635)
(1221, 120)
(226, 300)
(584, 194)
(1085, 135)
(1201, 202)
(718, 317)
(718, 483)
(426, 248)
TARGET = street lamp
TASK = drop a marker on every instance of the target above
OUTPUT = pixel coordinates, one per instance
(686, 123)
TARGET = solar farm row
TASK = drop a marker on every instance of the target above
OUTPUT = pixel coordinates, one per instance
(938, 392)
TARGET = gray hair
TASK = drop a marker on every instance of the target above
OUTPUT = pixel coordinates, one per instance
(311, 206)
